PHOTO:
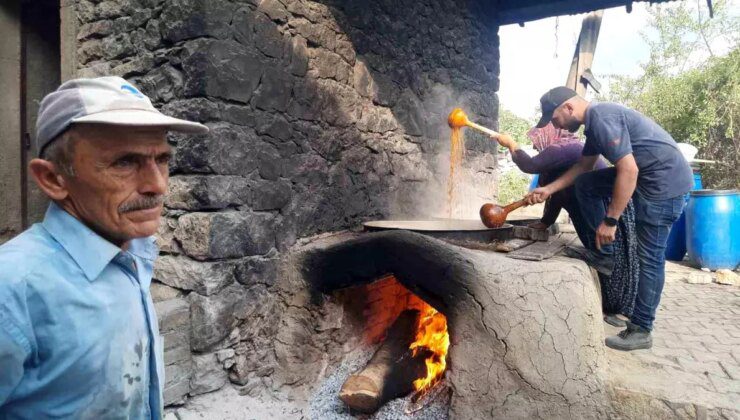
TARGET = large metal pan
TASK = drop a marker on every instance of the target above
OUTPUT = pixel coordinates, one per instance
(456, 229)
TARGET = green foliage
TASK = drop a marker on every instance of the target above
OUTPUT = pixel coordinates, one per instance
(515, 126)
(688, 90)
(512, 186)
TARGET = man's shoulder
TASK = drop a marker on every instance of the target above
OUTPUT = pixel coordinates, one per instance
(26, 253)
(608, 109)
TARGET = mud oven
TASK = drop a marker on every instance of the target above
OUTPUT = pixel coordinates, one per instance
(357, 319)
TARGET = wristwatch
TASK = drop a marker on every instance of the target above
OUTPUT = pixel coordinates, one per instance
(610, 221)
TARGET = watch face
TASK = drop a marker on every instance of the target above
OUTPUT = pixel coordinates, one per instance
(610, 221)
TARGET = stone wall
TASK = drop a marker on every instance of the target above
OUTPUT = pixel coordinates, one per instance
(323, 114)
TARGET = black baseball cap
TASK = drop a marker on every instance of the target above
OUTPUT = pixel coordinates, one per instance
(551, 100)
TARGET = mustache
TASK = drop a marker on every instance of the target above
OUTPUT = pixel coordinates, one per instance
(144, 203)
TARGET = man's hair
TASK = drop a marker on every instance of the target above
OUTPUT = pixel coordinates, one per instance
(60, 152)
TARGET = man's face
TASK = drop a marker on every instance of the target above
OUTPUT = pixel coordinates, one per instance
(563, 118)
(120, 178)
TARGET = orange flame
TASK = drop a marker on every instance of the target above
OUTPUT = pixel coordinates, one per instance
(431, 335)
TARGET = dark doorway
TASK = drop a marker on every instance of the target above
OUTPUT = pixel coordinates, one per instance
(29, 69)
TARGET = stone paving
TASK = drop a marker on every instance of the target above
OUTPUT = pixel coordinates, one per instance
(696, 348)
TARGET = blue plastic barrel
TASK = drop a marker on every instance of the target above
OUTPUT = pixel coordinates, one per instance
(676, 246)
(535, 180)
(713, 228)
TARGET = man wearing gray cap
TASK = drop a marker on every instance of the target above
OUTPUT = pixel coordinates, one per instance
(78, 333)
(648, 167)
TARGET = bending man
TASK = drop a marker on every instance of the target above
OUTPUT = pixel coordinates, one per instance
(648, 167)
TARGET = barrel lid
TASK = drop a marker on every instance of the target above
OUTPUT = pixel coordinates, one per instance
(702, 193)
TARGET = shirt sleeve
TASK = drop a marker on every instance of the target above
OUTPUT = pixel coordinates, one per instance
(553, 157)
(13, 353)
(609, 137)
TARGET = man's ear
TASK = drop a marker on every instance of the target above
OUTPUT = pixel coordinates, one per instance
(48, 178)
(569, 107)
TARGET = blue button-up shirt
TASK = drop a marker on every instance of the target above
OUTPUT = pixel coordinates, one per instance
(78, 333)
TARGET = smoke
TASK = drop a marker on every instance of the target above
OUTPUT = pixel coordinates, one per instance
(475, 178)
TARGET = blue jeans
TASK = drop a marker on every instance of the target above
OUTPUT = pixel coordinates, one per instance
(653, 221)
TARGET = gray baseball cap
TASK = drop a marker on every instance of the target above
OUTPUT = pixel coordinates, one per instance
(103, 100)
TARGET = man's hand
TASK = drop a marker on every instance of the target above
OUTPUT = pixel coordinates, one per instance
(537, 225)
(605, 235)
(538, 195)
(505, 140)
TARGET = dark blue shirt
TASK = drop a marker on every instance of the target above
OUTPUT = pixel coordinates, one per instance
(615, 131)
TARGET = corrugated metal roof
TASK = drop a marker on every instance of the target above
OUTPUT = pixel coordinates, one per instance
(520, 11)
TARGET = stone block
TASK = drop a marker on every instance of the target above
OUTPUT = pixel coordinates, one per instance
(223, 69)
(699, 277)
(274, 91)
(213, 317)
(226, 150)
(205, 278)
(270, 195)
(161, 292)
(187, 19)
(199, 192)
(299, 56)
(175, 392)
(165, 236)
(258, 269)
(408, 112)
(173, 314)
(274, 9)
(729, 277)
(117, 46)
(208, 374)
(267, 38)
(226, 235)
(161, 84)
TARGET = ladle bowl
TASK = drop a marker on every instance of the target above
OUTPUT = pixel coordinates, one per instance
(458, 119)
(494, 216)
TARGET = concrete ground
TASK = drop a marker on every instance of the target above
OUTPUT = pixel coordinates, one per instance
(695, 357)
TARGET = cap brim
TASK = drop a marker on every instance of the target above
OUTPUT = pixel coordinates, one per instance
(143, 118)
(544, 120)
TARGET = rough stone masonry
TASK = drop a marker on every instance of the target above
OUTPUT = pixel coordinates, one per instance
(323, 114)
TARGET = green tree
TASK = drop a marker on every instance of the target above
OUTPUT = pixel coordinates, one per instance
(688, 88)
(514, 125)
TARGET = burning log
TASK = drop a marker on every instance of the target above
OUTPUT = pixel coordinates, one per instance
(392, 370)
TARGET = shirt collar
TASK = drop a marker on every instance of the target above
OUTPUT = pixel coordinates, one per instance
(89, 250)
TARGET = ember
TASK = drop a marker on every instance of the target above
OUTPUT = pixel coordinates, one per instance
(432, 337)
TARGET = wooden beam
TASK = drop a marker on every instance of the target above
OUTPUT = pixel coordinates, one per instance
(583, 56)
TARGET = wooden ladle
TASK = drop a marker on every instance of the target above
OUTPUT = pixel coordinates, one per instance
(494, 216)
(458, 119)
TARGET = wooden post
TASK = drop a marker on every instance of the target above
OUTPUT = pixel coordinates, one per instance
(583, 56)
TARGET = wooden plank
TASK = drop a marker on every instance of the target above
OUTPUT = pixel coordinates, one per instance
(539, 251)
(512, 245)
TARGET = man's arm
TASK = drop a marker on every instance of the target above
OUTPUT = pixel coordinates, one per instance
(12, 357)
(539, 195)
(624, 186)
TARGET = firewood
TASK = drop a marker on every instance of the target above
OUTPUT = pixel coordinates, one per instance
(391, 371)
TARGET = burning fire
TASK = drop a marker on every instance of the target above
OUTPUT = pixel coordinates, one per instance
(432, 336)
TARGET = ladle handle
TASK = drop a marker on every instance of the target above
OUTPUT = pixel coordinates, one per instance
(515, 205)
(483, 129)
